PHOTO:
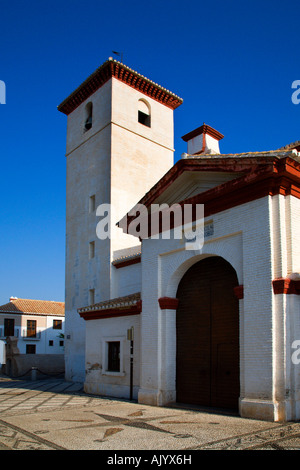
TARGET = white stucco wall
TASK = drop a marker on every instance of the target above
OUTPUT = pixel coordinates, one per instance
(195, 145)
(242, 236)
(286, 315)
(258, 240)
(99, 381)
(140, 155)
(127, 280)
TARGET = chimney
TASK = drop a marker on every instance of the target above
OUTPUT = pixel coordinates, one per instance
(203, 140)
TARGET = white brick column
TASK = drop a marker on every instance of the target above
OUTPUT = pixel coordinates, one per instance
(150, 328)
(167, 360)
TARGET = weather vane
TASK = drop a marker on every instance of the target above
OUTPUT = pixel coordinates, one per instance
(120, 54)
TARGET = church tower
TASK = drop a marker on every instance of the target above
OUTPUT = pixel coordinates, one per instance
(119, 144)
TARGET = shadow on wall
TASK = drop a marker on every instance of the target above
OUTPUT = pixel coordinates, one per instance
(21, 365)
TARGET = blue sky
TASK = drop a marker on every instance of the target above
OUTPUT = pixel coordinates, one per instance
(232, 62)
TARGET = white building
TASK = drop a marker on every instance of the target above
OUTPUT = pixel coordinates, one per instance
(38, 324)
(36, 329)
(214, 325)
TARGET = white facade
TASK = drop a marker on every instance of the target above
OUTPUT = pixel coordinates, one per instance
(269, 379)
(258, 239)
(242, 237)
(99, 380)
(252, 207)
(47, 330)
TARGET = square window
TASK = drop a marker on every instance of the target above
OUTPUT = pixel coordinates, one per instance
(57, 324)
(144, 118)
(30, 348)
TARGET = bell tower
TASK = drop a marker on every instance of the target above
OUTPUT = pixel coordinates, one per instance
(119, 144)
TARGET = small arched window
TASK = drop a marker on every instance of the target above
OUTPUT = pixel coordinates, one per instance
(88, 120)
(144, 114)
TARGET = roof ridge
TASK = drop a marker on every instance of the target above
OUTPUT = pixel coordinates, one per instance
(277, 152)
(35, 300)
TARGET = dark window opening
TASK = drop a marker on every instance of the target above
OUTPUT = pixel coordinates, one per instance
(9, 327)
(91, 250)
(89, 116)
(144, 119)
(92, 203)
(30, 348)
(57, 324)
(50, 342)
(88, 124)
(114, 356)
(91, 296)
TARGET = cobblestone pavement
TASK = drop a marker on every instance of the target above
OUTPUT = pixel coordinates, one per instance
(53, 414)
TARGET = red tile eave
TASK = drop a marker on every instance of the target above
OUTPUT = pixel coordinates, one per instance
(289, 167)
(189, 165)
(277, 177)
(112, 312)
(243, 165)
(113, 69)
(205, 129)
(127, 262)
(259, 177)
(281, 177)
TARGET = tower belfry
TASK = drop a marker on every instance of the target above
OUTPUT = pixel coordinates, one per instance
(119, 144)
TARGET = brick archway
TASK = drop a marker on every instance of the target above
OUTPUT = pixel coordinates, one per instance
(207, 335)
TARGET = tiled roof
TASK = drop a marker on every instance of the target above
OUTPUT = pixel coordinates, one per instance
(252, 166)
(124, 260)
(280, 153)
(42, 307)
(118, 303)
(293, 145)
(113, 68)
(197, 162)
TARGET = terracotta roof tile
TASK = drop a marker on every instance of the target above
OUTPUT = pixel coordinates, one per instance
(41, 307)
(119, 303)
(113, 68)
(293, 145)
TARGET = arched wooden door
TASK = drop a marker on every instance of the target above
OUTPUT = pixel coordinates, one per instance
(207, 335)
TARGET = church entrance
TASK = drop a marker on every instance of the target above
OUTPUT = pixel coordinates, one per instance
(207, 335)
